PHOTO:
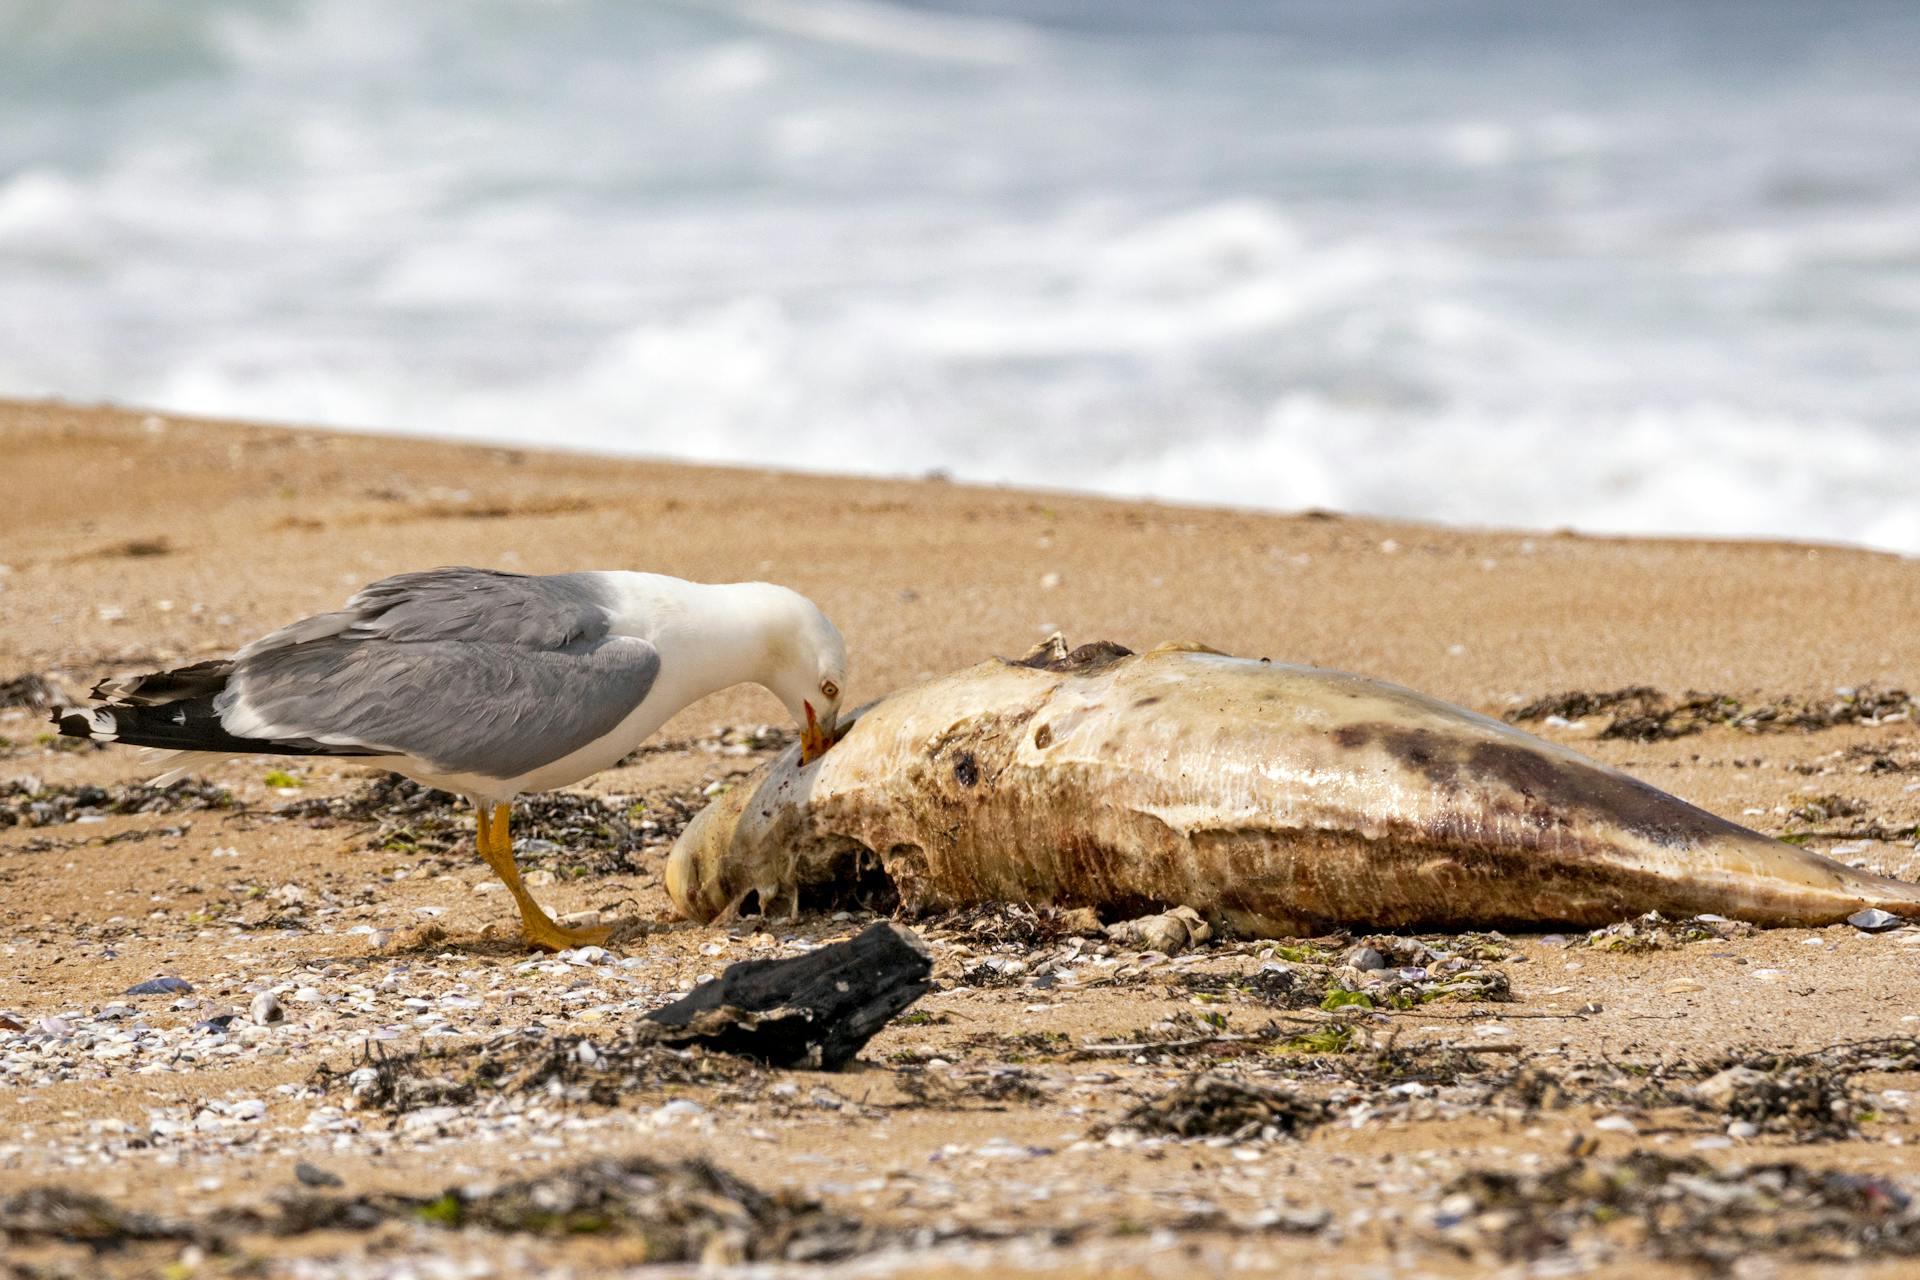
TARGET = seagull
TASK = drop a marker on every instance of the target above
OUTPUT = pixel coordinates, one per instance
(487, 684)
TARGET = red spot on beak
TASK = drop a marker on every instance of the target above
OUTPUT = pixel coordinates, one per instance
(813, 739)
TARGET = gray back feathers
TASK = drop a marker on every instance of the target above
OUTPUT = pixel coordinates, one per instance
(469, 670)
(545, 612)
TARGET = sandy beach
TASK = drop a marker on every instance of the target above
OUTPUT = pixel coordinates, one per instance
(983, 1132)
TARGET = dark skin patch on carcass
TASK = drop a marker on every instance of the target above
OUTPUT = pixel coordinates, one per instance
(980, 748)
(1085, 660)
(1352, 735)
(1402, 877)
(1553, 789)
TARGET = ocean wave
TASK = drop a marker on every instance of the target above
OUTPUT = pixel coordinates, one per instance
(1222, 252)
(889, 28)
(1698, 469)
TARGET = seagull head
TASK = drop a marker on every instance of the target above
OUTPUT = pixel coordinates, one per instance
(809, 673)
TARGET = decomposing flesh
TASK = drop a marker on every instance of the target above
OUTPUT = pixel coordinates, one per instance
(1275, 799)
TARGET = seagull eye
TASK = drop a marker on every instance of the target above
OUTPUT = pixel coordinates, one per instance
(829, 689)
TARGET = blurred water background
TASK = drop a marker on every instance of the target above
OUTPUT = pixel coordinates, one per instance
(1621, 265)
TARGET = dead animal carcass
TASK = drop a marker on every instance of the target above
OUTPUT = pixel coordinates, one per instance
(1275, 799)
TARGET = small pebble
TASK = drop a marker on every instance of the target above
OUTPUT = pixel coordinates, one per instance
(162, 986)
(1366, 959)
(313, 1175)
(266, 1009)
(1874, 920)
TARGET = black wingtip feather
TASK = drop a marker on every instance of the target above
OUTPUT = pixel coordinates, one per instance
(184, 726)
(157, 688)
(72, 724)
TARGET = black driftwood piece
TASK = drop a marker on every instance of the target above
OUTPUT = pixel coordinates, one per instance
(813, 1011)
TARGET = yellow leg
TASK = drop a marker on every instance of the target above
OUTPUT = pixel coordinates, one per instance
(496, 846)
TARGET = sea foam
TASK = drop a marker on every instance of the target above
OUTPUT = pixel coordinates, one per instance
(1269, 256)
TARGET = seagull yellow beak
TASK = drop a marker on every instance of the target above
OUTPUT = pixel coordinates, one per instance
(815, 737)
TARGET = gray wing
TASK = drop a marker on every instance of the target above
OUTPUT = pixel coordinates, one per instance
(470, 671)
(456, 603)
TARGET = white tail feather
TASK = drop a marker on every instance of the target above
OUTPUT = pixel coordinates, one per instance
(178, 764)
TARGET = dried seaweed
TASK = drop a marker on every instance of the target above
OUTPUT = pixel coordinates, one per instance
(1391, 972)
(384, 798)
(1009, 924)
(1033, 941)
(1384, 971)
(1020, 1046)
(1827, 817)
(687, 1211)
(1808, 1096)
(1681, 1209)
(989, 1089)
(1578, 705)
(571, 1067)
(1276, 986)
(1826, 808)
(1395, 1063)
(26, 802)
(28, 689)
(1644, 714)
(1206, 1105)
(1804, 1099)
(1183, 1033)
(994, 971)
(682, 1211)
(1872, 759)
(566, 831)
(1654, 932)
(77, 1217)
